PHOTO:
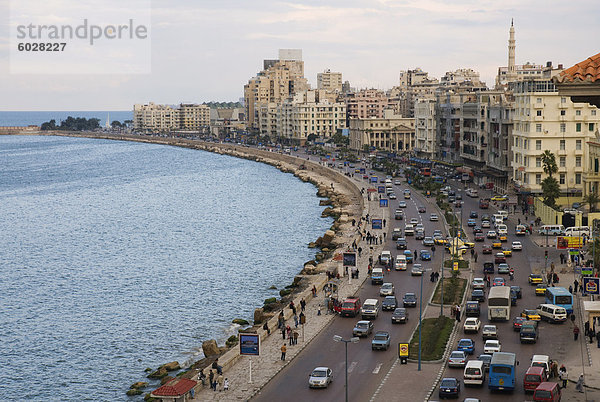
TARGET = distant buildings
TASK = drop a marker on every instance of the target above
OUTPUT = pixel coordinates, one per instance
(329, 81)
(367, 103)
(163, 118)
(390, 132)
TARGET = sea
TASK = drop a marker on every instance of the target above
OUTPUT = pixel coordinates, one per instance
(28, 118)
(119, 256)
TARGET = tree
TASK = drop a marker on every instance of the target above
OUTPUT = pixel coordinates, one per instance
(550, 190)
(49, 125)
(116, 124)
(592, 199)
(549, 163)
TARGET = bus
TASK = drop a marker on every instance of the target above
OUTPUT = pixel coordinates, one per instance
(426, 171)
(499, 303)
(503, 370)
(560, 297)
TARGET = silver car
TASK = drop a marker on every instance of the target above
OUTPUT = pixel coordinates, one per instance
(320, 377)
(457, 358)
(363, 328)
(387, 289)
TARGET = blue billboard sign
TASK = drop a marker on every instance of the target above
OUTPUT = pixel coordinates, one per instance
(383, 203)
(381, 189)
(376, 224)
(249, 344)
(591, 286)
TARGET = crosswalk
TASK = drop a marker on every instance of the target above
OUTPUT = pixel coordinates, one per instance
(353, 365)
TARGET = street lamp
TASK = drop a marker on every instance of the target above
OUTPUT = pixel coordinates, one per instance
(354, 339)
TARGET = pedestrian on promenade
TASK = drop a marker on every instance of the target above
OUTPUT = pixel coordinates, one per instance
(288, 331)
(314, 291)
(283, 333)
(575, 285)
(359, 251)
(211, 379)
(553, 369)
(458, 313)
(586, 327)
(592, 334)
(563, 375)
(266, 328)
(202, 377)
(295, 335)
(575, 332)
(280, 320)
(319, 310)
(475, 256)
(302, 304)
(216, 366)
(384, 234)
(598, 338)
(296, 320)
(384, 223)
(226, 385)
(580, 383)
(283, 350)
(437, 276)
(220, 381)
(292, 307)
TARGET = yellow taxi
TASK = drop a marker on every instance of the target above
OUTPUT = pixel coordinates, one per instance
(507, 253)
(469, 244)
(530, 315)
(534, 279)
(540, 289)
(440, 240)
(496, 244)
(499, 198)
(503, 237)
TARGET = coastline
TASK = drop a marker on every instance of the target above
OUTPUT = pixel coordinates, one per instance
(345, 203)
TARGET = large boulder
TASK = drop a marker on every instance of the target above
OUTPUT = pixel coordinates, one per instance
(259, 315)
(327, 237)
(172, 366)
(210, 348)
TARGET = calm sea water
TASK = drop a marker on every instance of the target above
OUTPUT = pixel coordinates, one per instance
(37, 118)
(118, 256)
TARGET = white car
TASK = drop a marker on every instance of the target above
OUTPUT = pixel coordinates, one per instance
(397, 182)
(433, 217)
(516, 246)
(491, 346)
(491, 234)
(320, 377)
(478, 283)
(472, 324)
(387, 289)
(414, 221)
(485, 224)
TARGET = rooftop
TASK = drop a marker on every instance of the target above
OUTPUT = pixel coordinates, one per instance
(175, 387)
(587, 70)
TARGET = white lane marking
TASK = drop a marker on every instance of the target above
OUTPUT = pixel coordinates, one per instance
(377, 368)
(351, 366)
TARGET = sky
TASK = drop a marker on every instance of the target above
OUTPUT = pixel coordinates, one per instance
(206, 50)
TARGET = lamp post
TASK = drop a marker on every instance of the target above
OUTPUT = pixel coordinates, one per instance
(354, 339)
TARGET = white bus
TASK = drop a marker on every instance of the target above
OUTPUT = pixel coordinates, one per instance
(499, 303)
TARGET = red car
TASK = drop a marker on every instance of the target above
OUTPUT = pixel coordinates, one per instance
(480, 237)
(487, 249)
(518, 322)
(499, 258)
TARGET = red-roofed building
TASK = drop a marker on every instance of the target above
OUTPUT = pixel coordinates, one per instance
(176, 390)
(582, 81)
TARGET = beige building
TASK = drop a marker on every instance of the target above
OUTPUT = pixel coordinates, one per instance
(193, 117)
(367, 103)
(152, 117)
(425, 127)
(392, 133)
(329, 81)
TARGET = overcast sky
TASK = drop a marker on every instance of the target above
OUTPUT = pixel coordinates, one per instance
(205, 50)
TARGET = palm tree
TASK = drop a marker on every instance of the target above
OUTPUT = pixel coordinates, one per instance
(549, 163)
(592, 199)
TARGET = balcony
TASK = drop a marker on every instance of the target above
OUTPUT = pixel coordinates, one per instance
(562, 152)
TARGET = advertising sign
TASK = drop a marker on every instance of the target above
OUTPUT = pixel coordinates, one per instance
(587, 270)
(381, 189)
(373, 179)
(591, 286)
(349, 259)
(383, 202)
(376, 224)
(455, 266)
(403, 349)
(362, 170)
(567, 242)
(249, 344)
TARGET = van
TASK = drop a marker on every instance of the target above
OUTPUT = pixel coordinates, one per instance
(350, 307)
(552, 230)
(504, 214)
(502, 229)
(497, 219)
(377, 276)
(547, 392)
(385, 257)
(474, 373)
(552, 313)
(400, 262)
(396, 234)
(577, 231)
(534, 376)
(472, 309)
(370, 309)
(541, 361)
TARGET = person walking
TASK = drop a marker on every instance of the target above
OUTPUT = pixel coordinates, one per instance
(575, 285)
(580, 383)
(211, 379)
(475, 256)
(295, 335)
(592, 334)
(266, 328)
(283, 350)
(598, 338)
(563, 375)
(575, 332)
(226, 385)
(296, 320)
(220, 381)
(457, 313)
(283, 332)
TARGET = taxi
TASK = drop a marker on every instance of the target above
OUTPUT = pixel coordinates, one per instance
(507, 252)
(534, 279)
(499, 198)
(497, 244)
(530, 314)
(469, 244)
(540, 289)
(503, 237)
(440, 240)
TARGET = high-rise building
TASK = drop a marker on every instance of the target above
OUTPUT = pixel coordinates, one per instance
(425, 127)
(330, 81)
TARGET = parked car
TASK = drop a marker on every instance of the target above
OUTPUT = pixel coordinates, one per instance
(472, 324)
(449, 387)
(320, 377)
(457, 358)
(387, 289)
(409, 300)
(399, 316)
(491, 346)
(466, 345)
(389, 303)
(381, 341)
(363, 328)
(489, 332)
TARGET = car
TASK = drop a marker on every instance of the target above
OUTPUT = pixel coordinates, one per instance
(516, 246)
(473, 214)
(392, 196)
(320, 377)
(489, 332)
(530, 314)
(402, 204)
(420, 226)
(440, 240)
(497, 244)
(398, 215)
(389, 303)
(478, 283)
(518, 322)
(409, 256)
(486, 224)
(498, 282)
(396, 233)
(488, 267)
(458, 195)
(414, 221)
(471, 223)
(401, 243)
(381, 341)
(409, 300)
(486, 249)
(387, 289)
(425, 255)
(434, 217)
(513, 297)
(472, 324)
(428, 241)
(397, 182)
(363, 328)
(534, 279)
(479, 237)
(507, 252)
(503, 268)
(457, 204)
(416, 270)
(449, 387)
(421, 209)
(469, 244)
(503, 237)
(457, 358)
(478, 295)
(466, 345)
(437, 232)
(419, 235)
(477, 229)
(407, 194)
(540, 289)
(486, 359)
(491, 346)
(517, 290)
(500, 198)
(400, 315)
(499, 258)
(491, 234)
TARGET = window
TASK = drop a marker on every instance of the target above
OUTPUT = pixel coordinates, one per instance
(578, 127)
(578, 145)
(538, 128)
(578, 113)
(563, 127)
(538, 145)
(563, 112)
(526, 178)
(562, 145)
(538, 162)
(562, 161)
(538, 100)
(594, 112)
(561, 178)
(525, 144)
(538, 112)
(591, 126)
(577, 178)
(578, 161)
(563, 100)
(538, 178)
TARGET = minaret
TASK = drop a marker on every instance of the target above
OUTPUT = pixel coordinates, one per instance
(512, 72)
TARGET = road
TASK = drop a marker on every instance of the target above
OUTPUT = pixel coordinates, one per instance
(366, 368)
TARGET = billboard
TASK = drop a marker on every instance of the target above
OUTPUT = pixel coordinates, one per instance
(349, 259)
(249, 344)
(381, 189)
(591, 286)
(383, 203)
(567, 242)
(376, 224)
(373, 179)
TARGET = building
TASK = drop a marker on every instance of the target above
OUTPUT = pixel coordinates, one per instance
(176, 390)
(462, 79)
(366, 103)
(425, 127)
(329, 81)
(392, 133)
(413, 84)
(164, 118)
(193, 117)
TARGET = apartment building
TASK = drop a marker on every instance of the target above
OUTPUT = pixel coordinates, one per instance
(366, 103)
(329, 81)
(193, 117)
(392, 133)
(425, 127)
